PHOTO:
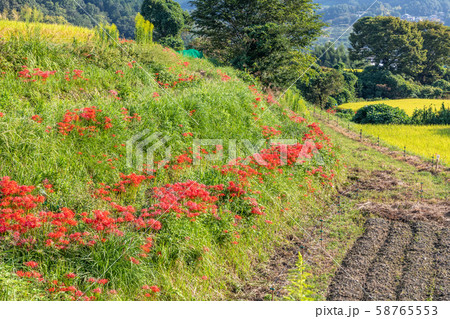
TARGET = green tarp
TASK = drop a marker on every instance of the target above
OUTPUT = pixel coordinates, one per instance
(192, 53)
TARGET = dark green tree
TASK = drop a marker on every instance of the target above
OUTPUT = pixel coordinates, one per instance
(329, 56)
(321, 86)
(265, 37)
(167, 17)
(391, 43)
(436, 40)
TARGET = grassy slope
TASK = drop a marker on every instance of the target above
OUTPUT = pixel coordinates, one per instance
(189, 260)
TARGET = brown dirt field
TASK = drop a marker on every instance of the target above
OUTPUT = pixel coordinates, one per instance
(442, 264)
(409, 262)
(388, 265)
(348, 284)
(408, 211)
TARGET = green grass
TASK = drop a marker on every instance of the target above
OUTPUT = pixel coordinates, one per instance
(427, 141)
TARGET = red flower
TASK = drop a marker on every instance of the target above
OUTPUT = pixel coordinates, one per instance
(155, 288)
(37, 118)
(31, 264)
(103, 281)
(71, 275)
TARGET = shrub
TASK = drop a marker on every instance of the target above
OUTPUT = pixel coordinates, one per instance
(375, 83)
(344, 97)
(442, 84)
(428, 116)
(107, 34)
(345, 113)
(173, 42)
(380, 114)
(331, 103)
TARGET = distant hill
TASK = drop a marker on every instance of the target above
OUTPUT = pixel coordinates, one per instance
(340, 14)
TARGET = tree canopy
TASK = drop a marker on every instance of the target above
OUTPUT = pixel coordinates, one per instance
(262, 36)
(391, 43)
(436, 40)
(166, 15)
(418, 50)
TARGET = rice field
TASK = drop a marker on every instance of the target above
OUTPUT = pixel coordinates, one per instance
(57, 33)
(423, 140)
(408, 105)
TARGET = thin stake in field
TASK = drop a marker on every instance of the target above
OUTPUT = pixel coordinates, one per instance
(321, 233)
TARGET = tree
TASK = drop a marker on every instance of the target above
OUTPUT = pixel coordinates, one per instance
(320, 87)
(265, 37)
(329, 56)
(144, 30)
(436, 40)
(167, 17)
(391, 43)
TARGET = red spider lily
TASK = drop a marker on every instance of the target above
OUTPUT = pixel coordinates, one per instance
(37, 118)
(71, 275)
(114, 94)
(225, 77)
(97, 291)
(129, 118)
(270, 132)
(31, 264)
(76, 120)
(155, 289)
(103, 281)
(27, 75)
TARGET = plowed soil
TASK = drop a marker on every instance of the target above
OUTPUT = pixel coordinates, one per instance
(395, 260)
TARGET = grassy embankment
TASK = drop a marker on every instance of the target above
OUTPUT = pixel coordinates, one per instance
(93, 227)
